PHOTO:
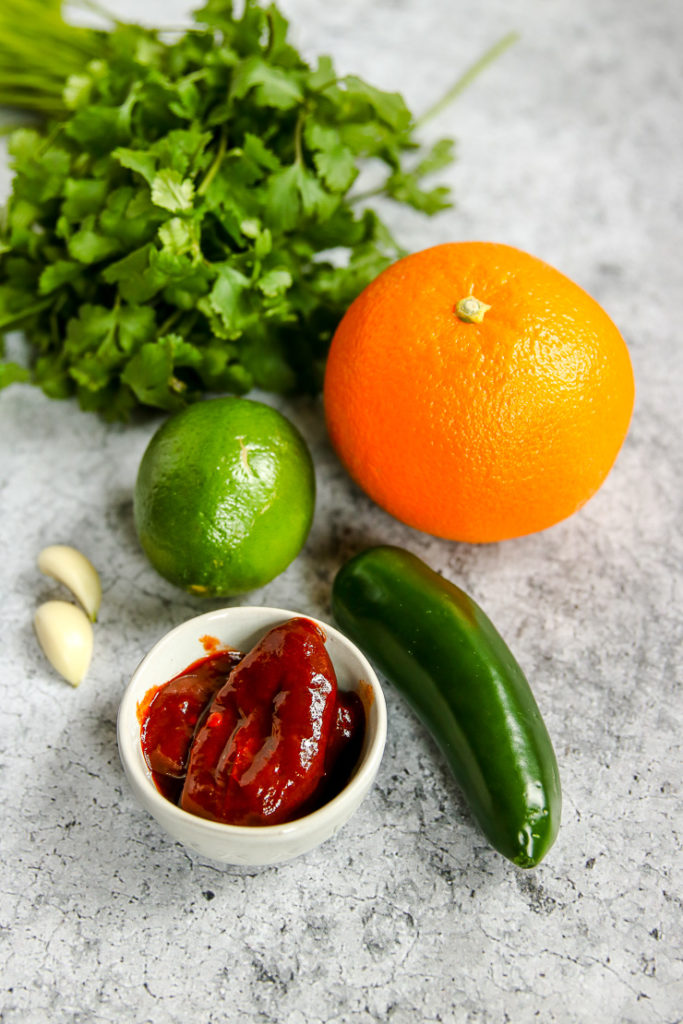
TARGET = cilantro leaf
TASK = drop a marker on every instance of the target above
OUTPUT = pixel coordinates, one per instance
(95, 128)
(273, 86)
(57, 274)
(142, 162)
(389, 107)
(256, 150)
(13, 373)
(83, 196)
(172, 192)
(406, 186)
(274, 282)
(334, 161)
(229, 299)
(88, 245)
(149, 375)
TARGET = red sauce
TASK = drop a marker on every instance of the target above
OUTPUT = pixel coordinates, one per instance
(255, 739)
(211, 644)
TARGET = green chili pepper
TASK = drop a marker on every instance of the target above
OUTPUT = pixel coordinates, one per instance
(446, 658)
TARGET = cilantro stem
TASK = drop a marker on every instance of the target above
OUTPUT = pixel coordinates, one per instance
(14, 319)
(215, 166)
(50, 138)
(467, 78)
(30, 80)
(38, 52)
(169, 322)
(39, 103)
(271, 33)
(298, 148)
(73, 44)
(369, 194)
(328, 83)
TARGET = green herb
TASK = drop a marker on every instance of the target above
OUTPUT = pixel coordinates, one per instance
(186, 218)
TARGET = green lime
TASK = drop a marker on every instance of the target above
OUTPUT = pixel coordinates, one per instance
(224, 496)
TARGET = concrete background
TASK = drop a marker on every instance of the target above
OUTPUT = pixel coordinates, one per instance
(570, 147)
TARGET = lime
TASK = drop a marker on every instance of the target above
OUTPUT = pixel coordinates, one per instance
(224, 496)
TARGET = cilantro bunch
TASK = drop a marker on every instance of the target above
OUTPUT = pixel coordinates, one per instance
(185, 218)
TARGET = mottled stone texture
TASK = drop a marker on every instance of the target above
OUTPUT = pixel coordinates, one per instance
(570, 147)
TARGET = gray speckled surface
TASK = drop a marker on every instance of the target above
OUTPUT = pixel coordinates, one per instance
(570, 147)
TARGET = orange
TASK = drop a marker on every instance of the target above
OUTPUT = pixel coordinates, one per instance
(477, 427)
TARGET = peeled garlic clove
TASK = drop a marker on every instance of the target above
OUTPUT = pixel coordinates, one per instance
(66, 636)
(75, 571)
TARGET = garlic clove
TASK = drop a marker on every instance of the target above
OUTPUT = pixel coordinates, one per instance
(76, 572)
(66, 636)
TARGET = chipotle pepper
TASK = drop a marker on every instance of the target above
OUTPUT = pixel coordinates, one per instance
(259, 754)
(175, 709)
(343, 748)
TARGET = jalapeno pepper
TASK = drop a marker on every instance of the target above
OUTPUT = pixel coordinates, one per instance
(446, 658)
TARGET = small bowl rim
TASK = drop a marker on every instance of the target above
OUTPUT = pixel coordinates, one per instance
(367, 766)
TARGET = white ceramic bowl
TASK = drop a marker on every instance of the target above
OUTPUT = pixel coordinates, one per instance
(241, 628)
